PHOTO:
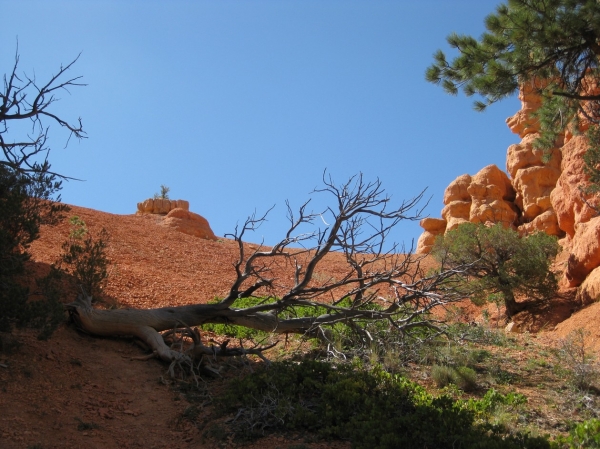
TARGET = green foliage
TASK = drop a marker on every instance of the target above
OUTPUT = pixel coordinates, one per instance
(85, 257)
(492, 400)
(497, 260)
(549, 43)
(585, 435)
(341, 332)
(483, 334)
(372, 408)
(463, 377)
(164, 193)
(550, 46)
(442, 375)
(236, 331)
(592, 161)
(24, 207)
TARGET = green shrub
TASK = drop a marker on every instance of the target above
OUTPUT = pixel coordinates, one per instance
(465, 378)
(85, 257)
(497, 261)
(442, 375)
(24, 206)
(341, 332)
(372, 408)
(164, 193)
(585, 435)
(492, 400)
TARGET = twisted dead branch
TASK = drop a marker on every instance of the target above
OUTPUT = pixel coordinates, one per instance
(381, 282)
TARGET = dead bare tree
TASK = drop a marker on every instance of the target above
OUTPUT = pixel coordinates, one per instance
(28, 187)
(361, 220)
(23, 98)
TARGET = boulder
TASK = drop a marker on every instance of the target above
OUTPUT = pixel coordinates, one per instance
(567, 198)
(533, 177)
(492, 195)
(145, 207)
(425, 242)
(432, 228)
(585, 252)
(457, 190)
(545, 222)
(189, 223)
(456, 213)
(512, 327)
(433, 225)
(589, 291)
(524, 155)
(533, 186)
(457, 202)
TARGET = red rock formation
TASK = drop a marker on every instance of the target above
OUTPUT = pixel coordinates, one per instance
(189, 223)
(492, 196)
(533, 178)
(522, 123)
(567, 198)
(545, 192)
(161, 206)
(589, 291)
(545, 222)
(457, 202)
(433, 227)
(585, 252)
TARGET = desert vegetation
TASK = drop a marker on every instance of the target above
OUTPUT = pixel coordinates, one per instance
(498, 264)
(377, 354)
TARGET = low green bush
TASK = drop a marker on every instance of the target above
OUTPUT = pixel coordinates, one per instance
(465, 378)
(84, 257)
(442, 375)
(372, 408)
(585, 435)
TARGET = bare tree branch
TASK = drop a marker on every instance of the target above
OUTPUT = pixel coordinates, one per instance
(23, 99)
(381, 281)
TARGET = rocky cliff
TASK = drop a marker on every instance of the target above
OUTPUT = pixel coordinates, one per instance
(538, 192)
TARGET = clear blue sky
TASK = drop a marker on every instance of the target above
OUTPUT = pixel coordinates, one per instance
(240, 105)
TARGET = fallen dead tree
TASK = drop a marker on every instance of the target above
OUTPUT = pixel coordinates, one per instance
(382, 282)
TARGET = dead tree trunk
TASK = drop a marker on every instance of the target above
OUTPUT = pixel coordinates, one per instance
(376, 274)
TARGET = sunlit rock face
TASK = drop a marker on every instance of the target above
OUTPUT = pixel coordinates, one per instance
(492, 197)
(534, 174)
(457, 202)
(433, 227)
(569, 201)
(541, 191)
(161, 206)
(189, 223)
(177, 216)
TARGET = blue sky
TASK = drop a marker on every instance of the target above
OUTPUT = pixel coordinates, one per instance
(240, 105)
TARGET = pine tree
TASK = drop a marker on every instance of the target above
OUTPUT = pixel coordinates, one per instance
(553, 44)
(498, 264)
